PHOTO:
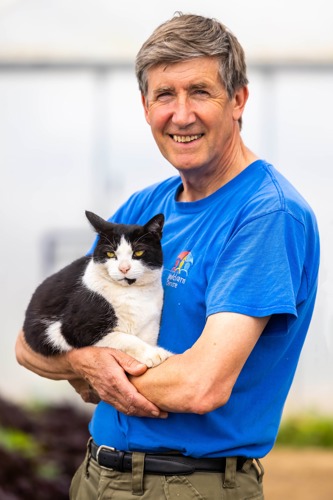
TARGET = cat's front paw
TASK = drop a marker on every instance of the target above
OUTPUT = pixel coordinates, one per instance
(155, 356)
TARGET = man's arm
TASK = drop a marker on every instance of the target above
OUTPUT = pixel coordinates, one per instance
(201, 379)
(197, 381)
(103, 369)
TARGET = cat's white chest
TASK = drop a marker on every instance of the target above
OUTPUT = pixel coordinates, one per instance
(138, 309)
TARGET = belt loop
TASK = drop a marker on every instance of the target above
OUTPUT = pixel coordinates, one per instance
(230, 473)
(248, 464)
(261, 470)
(138, 465)
(88, 457)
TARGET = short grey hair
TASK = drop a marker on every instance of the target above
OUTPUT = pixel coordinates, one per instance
(187, 36)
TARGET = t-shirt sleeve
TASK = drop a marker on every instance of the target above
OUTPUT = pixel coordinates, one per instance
(259, 271)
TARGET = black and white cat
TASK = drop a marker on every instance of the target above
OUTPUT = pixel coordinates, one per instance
(112, 298)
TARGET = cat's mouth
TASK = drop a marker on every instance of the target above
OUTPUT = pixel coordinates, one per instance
(129, 281)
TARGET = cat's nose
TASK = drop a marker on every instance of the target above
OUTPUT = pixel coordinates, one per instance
(124, 267)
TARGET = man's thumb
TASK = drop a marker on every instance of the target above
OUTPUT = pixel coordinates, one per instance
(130, 364)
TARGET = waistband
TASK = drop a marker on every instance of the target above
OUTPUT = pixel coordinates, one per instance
(164, 464)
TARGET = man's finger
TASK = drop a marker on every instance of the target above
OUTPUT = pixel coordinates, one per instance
(128, 363)
(117, 390)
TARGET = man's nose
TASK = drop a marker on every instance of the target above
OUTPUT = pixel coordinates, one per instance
(183, 114)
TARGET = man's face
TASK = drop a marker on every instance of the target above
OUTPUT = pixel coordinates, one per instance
(191, 117)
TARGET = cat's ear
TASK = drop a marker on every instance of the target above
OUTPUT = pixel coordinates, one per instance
(155, 225)
(100, 225)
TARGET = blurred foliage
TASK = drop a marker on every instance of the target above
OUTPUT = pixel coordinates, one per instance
(40, 449)
(17, 440)
(306, 430)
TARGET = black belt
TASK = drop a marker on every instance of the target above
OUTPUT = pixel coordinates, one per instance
(166, 465)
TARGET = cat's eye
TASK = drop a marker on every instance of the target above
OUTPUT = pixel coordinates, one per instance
(111, 255)
(139, 253)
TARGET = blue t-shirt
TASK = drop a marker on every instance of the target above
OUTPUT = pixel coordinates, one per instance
(251, 247)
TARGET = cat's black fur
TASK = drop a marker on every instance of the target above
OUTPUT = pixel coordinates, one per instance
(86, 316)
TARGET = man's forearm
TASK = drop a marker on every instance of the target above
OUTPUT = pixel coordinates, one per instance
(166, 386)
(53, 367)
(181, 384)
(202, 378)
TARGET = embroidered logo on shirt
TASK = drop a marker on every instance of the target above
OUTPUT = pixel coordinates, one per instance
(180, 270)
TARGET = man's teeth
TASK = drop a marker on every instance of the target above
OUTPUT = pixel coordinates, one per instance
(185, 138)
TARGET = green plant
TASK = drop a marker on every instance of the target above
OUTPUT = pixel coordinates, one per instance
(19, 441)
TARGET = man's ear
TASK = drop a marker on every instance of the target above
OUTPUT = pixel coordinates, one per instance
(145, 108)
(240, 97)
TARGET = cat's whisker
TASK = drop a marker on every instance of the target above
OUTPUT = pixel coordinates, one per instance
(111, 243)
(138, 239)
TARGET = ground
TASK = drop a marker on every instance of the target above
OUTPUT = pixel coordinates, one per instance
(298, 474)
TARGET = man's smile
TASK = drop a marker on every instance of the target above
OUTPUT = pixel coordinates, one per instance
(185, 138)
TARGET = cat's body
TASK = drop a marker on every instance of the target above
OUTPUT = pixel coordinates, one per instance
(110, 299)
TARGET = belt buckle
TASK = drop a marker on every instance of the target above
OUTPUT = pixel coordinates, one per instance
(101, 448)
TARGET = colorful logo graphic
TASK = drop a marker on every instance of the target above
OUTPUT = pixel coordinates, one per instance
(183, 263)
(178, 274)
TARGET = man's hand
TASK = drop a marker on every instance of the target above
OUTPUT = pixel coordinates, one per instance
(96, 373)
(105, 369)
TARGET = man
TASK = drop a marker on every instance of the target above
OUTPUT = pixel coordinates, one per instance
(241, 255)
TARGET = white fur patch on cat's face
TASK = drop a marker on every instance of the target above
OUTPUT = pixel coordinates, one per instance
(123, 267)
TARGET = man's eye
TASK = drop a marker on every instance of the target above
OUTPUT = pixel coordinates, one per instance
(163, 95)
(201, 92)
(139, 253)
(111, 255)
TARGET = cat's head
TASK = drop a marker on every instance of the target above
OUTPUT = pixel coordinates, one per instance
(129, 253)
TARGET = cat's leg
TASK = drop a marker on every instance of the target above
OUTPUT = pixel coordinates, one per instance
(134, 346)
